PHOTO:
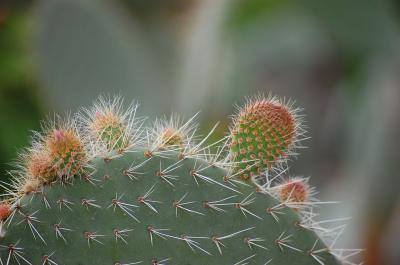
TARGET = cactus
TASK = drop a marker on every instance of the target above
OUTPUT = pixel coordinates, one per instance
(99, 188)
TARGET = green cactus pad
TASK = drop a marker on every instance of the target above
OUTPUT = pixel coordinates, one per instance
(162, 210)
(102, 191)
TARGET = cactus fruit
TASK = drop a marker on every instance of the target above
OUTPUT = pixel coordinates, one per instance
(99, 189)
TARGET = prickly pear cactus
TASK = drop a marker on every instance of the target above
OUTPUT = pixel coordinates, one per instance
(99, 188)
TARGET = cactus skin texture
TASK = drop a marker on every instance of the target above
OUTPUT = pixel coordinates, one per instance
(136, 203)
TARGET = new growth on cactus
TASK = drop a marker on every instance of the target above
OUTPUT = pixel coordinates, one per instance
(100, 188)
(109, 127)
(264, 134)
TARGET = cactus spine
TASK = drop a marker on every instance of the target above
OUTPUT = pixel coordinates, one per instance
(98, 189)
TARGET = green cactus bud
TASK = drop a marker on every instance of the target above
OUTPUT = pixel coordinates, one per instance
(263, 134)
(109, 126)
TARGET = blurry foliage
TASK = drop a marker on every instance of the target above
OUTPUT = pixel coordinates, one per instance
(19, 108)
(156, 8)
(243, 12)
(358, 30)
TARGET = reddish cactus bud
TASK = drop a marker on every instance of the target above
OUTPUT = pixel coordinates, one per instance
(39, 166)
(66, 151)
(294, 190)
(5, 210)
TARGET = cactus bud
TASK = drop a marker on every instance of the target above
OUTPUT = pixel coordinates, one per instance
(39, 166)
(171, 137)
(5, 210)
(109, 127)
(66, 151)
(110, 130)
(295, 190)
(263, 134)
(172, 133)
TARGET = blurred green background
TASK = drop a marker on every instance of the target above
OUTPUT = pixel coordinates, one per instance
(338, 59)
